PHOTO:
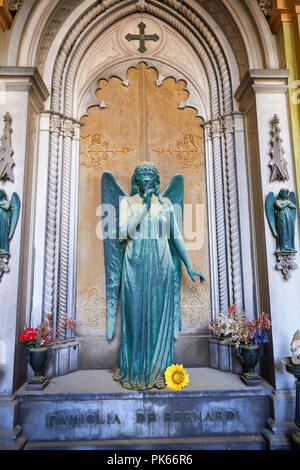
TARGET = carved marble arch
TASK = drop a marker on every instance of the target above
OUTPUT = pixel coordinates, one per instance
(195, 98)
(210, 93)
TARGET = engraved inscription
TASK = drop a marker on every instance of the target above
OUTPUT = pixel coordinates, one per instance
(212, 416)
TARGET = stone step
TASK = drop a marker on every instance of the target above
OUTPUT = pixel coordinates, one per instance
(204, 443)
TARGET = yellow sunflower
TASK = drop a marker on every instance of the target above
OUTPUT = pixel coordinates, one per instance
(176, 377)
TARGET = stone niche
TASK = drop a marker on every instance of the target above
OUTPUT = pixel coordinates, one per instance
(141, 120)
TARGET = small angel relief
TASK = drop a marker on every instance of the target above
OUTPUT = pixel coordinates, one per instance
(9, 216)
(281, 214)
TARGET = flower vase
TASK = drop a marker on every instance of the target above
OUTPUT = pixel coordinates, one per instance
(38, 356)
(250, 355)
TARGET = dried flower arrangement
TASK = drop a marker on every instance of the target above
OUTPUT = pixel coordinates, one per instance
(234, 327)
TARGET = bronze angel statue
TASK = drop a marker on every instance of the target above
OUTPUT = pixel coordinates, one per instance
(9, 216)
(143, 259)
(281, 213)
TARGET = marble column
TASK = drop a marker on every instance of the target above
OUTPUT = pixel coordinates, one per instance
(22, 95)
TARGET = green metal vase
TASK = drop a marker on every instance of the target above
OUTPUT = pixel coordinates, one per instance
(250, 356)
(38, 356)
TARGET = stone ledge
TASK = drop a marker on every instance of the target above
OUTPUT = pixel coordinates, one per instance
(205, 443)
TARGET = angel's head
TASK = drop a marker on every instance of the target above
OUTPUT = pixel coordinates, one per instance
(145, 176)
(3, 196)
(283, 193)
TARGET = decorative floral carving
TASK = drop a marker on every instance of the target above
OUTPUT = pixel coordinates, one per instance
(91, 307)
(95, 150)
(194, 308)
(286, 263)
(187, 150)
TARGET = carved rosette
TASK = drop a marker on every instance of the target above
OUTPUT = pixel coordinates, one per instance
(286, 263)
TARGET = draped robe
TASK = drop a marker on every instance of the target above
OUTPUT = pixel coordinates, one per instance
(147, 296)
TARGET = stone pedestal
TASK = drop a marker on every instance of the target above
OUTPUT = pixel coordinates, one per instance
(87, 408)
(11, 437)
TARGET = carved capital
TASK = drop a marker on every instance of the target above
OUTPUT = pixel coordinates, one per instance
(55, 124)
(215, 129)
(228, 125)
(286, 263)
(68, 129)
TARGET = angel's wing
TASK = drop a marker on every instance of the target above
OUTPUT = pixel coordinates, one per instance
(113, 252)
(175, 192)
(292, 198)
(15, 205)
(270, 210)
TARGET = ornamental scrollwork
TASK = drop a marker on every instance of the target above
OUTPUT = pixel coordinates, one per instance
(95, 150)
(187, 150)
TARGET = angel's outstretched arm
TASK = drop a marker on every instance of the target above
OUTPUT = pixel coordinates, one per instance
(181, 248)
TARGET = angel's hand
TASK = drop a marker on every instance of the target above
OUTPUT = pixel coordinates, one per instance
(5, 205)
(147, 197)
(193, 272)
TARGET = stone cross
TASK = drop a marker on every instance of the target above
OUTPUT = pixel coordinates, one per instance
(142, 37)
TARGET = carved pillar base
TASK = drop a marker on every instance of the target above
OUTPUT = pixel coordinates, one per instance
(286, 263)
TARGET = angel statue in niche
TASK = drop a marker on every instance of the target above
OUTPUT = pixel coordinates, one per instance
(9, 216)
(144, 257)
(281, 213)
